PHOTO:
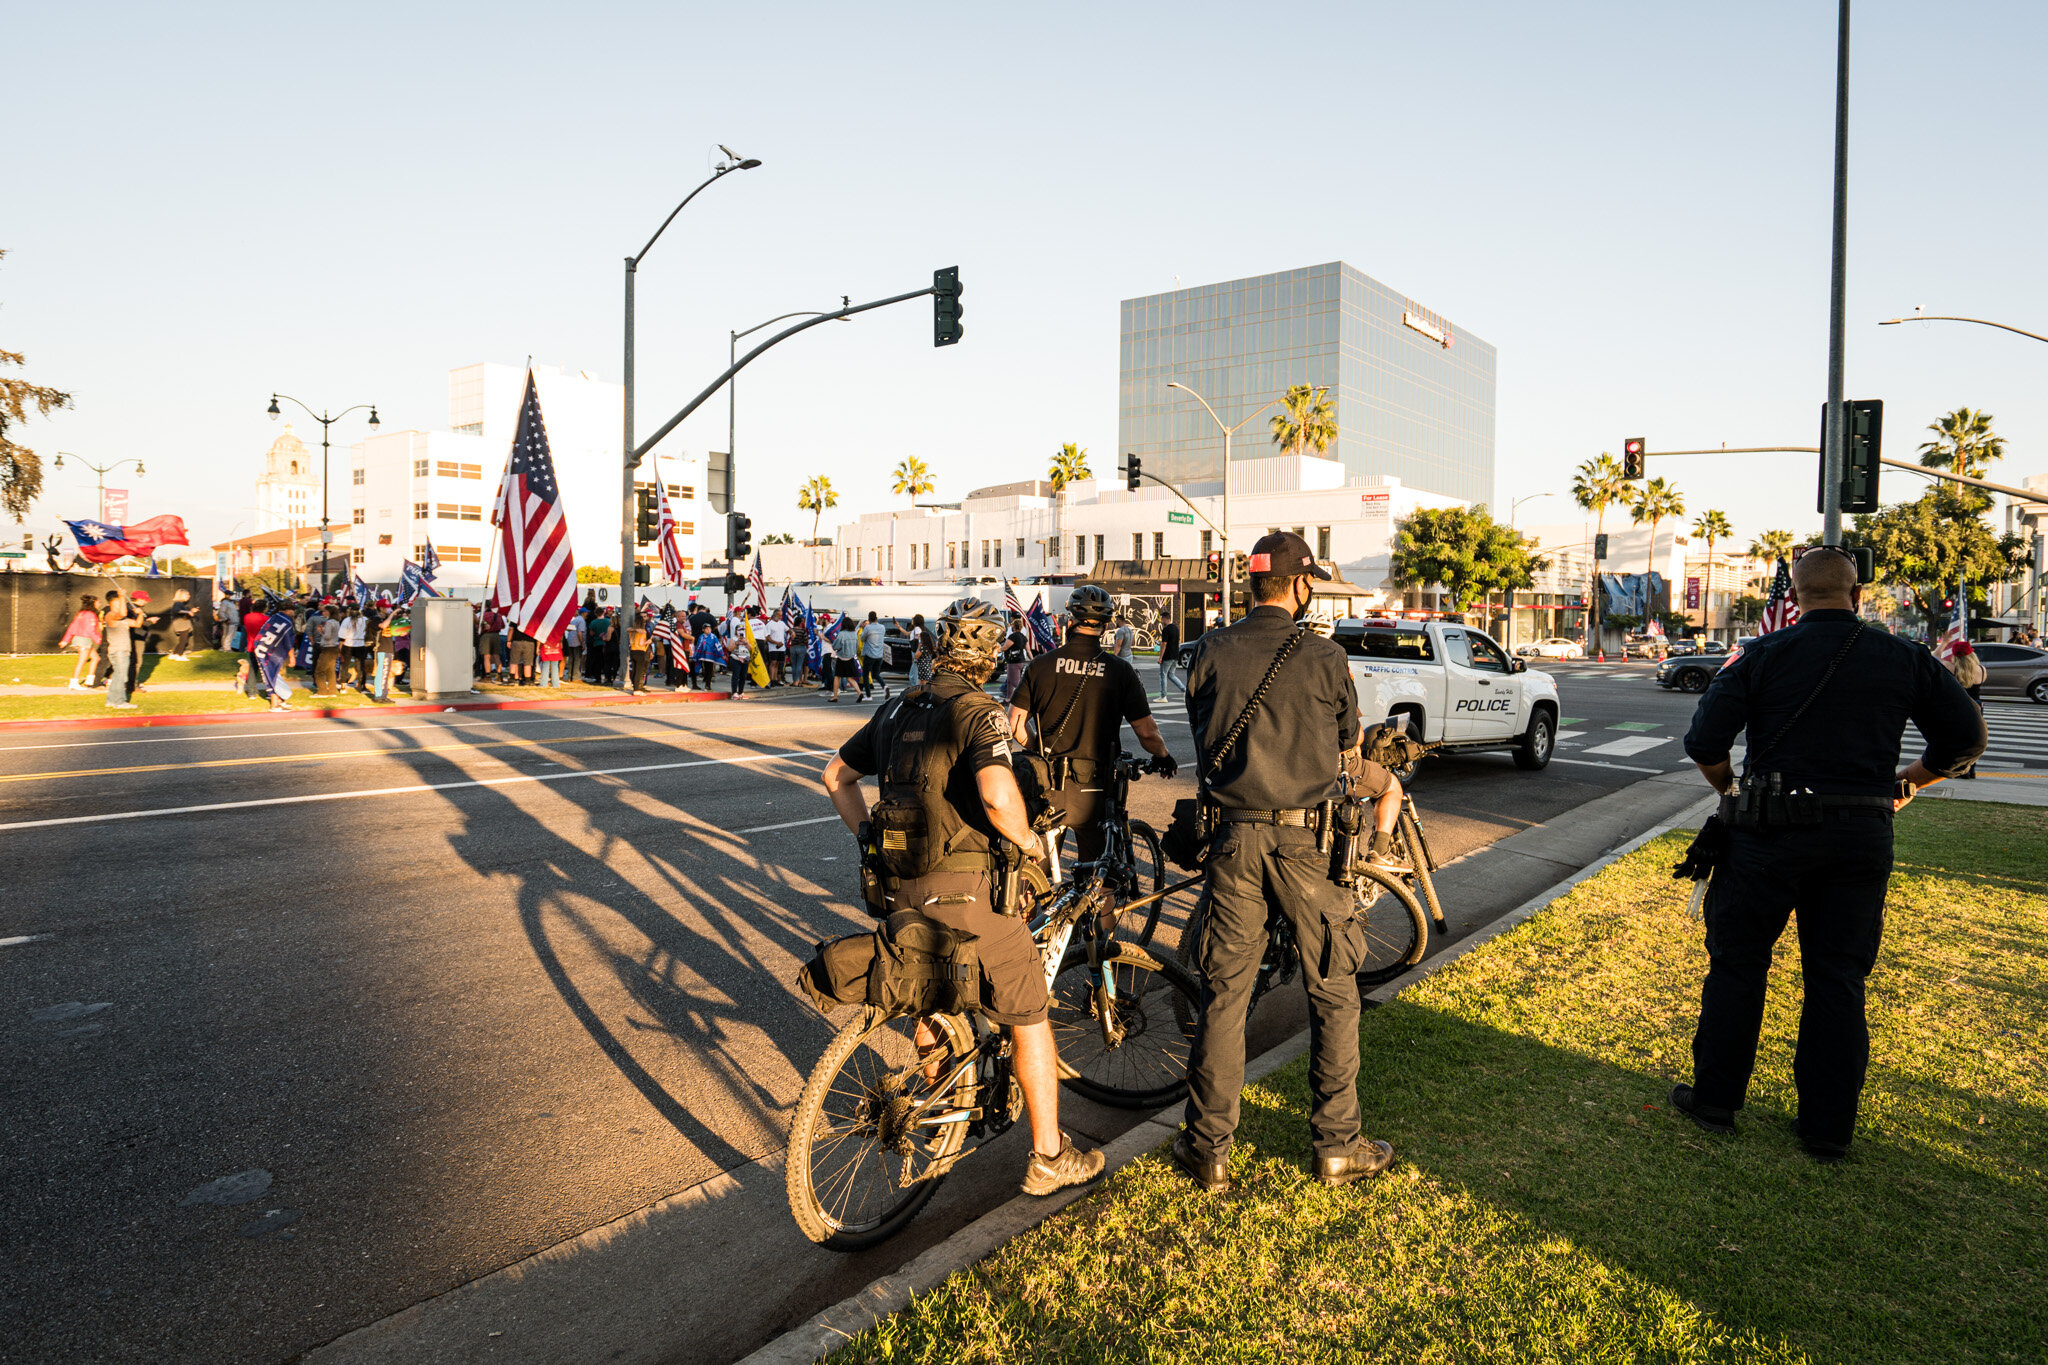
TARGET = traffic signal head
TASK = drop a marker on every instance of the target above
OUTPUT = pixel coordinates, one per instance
(1632, 453)
(1600, 546)
(1859, 455)
(735, 584)
(1133, 472)
(946, 309)
(643, 575)
(1240, 567)
(1213, 569)
(739, 537)
(647, 519)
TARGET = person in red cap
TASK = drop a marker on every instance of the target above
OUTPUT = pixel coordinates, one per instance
(1276, 729)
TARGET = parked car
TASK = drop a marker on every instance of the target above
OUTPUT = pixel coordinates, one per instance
(1648, 646)
(1690, 672)
(2015, 671)
(1450, 685)
(1554, 648)
(1697, 646)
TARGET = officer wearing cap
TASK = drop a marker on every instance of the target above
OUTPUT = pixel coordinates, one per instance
(947, 742)
(1069, 712)
(1275, 720)
(1809, 828)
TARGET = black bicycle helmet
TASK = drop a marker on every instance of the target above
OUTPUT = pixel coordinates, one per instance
(969, 631)
(1090, 606)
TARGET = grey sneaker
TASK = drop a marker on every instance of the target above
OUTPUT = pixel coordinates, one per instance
(1383, 857)
(1071, 1167)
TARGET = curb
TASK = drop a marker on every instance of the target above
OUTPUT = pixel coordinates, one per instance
(827, 1331)
(335, 712)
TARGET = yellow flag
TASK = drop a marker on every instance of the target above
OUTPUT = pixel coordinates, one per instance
(757, 667)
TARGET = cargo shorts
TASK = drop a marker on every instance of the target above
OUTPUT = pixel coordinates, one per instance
(1013, 987)
(1369, 780)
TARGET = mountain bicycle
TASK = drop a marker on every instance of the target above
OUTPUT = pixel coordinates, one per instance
(897, 1101)
(1132, 869)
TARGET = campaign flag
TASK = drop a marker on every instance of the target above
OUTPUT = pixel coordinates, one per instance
(1958, 632)
(412, 581)
(1041, 627)
(101, 542)
(153, 571)
(758, 584)
(757, 667)
(273, 648)
(1780, 610)
(361, 590)
(430, 563)
(665, 532)
(535, 571)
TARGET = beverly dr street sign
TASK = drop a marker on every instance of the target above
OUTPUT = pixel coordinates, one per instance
(1180, 518)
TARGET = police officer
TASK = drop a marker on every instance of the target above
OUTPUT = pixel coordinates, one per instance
(1824, 704)
(949, 742)
(1070, 709)
(1266, 785)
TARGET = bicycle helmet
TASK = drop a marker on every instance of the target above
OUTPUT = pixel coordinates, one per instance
(969, 632)
(1090, 606)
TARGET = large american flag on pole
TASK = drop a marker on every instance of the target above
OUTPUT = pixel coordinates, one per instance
(1958, 632)
(665, 533)
(1780, 610)
(535, 570)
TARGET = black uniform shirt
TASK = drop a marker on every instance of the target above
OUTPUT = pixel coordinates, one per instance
(1287, 757)
(1109, 694)
(984, 744)
(1847, 743)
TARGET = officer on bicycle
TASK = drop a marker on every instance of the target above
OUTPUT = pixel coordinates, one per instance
(1068, 713)
(948, 743)
(1809, 828)
(1275, 720)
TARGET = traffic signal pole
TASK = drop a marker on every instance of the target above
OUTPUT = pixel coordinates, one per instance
(1836, 427)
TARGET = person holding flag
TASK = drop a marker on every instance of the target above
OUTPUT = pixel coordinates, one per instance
(272, 648)
(535, 569)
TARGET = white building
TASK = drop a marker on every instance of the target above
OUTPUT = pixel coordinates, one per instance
(409, 487)
(1022, 530)
(288, 489)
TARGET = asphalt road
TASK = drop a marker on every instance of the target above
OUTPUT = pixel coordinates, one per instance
(461, 987)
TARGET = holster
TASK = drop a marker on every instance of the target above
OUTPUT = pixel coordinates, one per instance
(874, 881)
(1007, 894)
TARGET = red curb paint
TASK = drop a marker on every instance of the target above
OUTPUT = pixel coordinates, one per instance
(333, 712)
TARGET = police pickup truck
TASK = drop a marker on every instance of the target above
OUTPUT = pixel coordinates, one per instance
(1451, 685)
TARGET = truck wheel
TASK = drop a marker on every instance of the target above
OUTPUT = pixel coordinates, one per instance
(1532, 754)
(1692, 680)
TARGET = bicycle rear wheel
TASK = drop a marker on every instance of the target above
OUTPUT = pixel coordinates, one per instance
(1148, 877)
(1396, 929)
(1133, 1054)
(859, 1152)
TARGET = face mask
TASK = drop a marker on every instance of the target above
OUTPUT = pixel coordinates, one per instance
(1301, 609)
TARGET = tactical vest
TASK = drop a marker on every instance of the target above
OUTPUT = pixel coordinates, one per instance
(916, 827)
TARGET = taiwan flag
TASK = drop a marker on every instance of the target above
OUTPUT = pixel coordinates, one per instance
(101, 543)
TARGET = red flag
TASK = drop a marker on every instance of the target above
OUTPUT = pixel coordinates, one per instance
(137, 538)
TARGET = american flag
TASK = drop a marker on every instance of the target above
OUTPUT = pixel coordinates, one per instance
(665, 533)
(758, 584)
(663, 632)
(535, 570)
(1010, 602)
(430, 563)
(1780, 610)
(1958, 632)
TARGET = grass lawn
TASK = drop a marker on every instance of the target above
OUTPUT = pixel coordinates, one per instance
(1548, 1207)
(54, 670)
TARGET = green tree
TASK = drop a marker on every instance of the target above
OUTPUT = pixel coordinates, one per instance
(913, 479)
(1653, 502)
(1925, 547)
(1307, 421)
(1711, 526)
(596, 573)
(1746, 610)
(21, 469)
(814, 497)
(1965, 444)
(1069, 465)
(1596, 485)
(276, 579)
(1465, 551)
(779, 538)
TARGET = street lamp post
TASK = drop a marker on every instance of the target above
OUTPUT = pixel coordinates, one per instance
(325, 421)
(631, 460)
(101, 471)
(732, 387)
(1228, 432)
(1943, 317)
(1508, 597)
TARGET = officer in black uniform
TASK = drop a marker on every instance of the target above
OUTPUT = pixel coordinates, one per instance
(947, 739)
(1070, 709)
(1824, 704)
(1267, 786)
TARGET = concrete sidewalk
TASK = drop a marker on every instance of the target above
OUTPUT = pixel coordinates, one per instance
(715, 1271)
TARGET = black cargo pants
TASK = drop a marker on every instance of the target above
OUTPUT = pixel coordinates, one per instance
(1834, 875)
(1252, 870)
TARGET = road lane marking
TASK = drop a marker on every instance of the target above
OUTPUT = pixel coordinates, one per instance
(20, 939)
(786, 824)
(309, 758)
(1630, 747)
(1576, 762)
(408, 791)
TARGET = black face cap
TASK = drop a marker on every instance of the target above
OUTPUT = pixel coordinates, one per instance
(1284, 552)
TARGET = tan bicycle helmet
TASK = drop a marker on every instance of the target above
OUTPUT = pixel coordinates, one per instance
(969, 631)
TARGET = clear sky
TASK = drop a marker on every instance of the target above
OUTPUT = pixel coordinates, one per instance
(207, 202)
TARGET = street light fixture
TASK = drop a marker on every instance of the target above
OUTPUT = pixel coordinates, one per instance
(101, 470)
(1918, 316)
(732, 386)
(1228, 432)
(325, 420)
(630, 461)
(1516, 504)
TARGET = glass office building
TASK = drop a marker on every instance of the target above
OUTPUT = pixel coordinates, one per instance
(1414, 395)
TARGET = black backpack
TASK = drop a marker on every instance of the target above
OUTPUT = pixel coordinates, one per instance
(910, 965)
(915, 827)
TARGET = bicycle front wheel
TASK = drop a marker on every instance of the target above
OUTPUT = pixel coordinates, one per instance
(1148, 878)
(1396, 928)
(1125, 1031)
(864, 1143)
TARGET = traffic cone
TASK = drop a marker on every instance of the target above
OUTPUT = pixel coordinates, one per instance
(1624, 653)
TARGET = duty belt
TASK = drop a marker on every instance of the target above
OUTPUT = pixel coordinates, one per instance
(1301, 819)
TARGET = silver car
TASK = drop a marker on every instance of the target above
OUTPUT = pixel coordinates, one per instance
(2015, 671)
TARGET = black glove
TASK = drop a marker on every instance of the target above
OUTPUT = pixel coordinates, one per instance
(1706, 851)
(1166, 765)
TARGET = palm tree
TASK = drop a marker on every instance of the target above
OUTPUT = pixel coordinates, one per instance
(1967, 444)
(913, 479)
(814, 497)
(1653, 502)
(1069, 465)
(1770, 547)
(1307, 421)
(1712, 525)
(1598, 483)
